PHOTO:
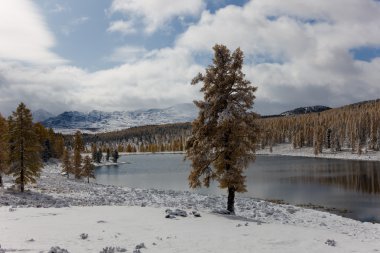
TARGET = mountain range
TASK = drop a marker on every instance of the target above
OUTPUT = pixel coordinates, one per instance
(99, 121)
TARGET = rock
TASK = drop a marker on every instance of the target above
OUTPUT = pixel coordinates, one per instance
(83, 236)
(196, 214)
(179, 212)
(330, 242)
(169, 216)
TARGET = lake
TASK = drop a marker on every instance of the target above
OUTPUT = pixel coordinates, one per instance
(348, 185)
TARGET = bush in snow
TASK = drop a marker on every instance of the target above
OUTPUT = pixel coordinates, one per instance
(83, 236)
(57, 250)
(330, 242)
(113, 250)
(140, 246)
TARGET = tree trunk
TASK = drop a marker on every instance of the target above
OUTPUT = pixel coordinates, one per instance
(1, 181)
(231, 200)
(88, 180)
(22, 180)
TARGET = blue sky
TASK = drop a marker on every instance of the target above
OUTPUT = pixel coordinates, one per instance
(80, 28)
(129, 54)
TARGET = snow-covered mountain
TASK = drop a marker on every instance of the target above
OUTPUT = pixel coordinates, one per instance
(99, 121)
(41, 115)
(307, 109)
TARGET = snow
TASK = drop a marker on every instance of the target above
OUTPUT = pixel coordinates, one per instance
(346, 154)
(99, 121)
(124, 217)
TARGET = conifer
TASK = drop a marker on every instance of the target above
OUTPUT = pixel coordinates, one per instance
(88, 168)
(3, 148)
(115, 156)
(108, 154)
(25, 162)
(66, 162)
(78, 148)
(224, 135)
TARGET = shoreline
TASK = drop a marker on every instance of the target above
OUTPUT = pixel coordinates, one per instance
(345, 154)
(287, 150)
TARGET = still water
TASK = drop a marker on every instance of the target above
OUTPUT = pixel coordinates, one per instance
(342, 184)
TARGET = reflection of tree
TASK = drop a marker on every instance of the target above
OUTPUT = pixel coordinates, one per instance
(363, 177)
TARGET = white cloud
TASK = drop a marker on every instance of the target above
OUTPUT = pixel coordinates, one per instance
(128, 54)
(121, 26)
(155, 14)
(24, 34)
(158, 80)
(309, 43)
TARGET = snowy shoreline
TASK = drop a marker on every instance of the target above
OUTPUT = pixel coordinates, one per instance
(126, 210)
(345, 154)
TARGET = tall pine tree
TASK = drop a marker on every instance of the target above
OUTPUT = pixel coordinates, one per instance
(88, 168)
(25, 161)
(3, 148)
(78, 148)
(224, 135)
(67, 166)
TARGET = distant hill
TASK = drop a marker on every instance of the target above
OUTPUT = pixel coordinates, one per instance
(99, 121)
(41, 115)
(300, 111)
(305, 110)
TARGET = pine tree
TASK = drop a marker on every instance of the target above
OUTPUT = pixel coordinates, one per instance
(25, 162)
(99, 156)
(59, 146)
(78, 148)
(88, 168)
(108, 154)
(66, 162)
(224, 135)
(115, 156)
(3, 148)
(94, 152)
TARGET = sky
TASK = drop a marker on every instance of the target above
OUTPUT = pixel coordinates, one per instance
(109, 55)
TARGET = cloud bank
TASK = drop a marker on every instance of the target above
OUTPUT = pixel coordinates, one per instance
(297, 52)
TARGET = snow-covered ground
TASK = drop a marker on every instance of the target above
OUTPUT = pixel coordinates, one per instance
(288, 150)
(61, 209)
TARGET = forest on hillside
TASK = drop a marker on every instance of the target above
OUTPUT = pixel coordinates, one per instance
(151, 138)
(355, 127)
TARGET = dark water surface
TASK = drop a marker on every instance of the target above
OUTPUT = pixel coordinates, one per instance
(342, 184)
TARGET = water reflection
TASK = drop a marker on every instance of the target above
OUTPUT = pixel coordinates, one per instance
(361, 177)
(341, 184)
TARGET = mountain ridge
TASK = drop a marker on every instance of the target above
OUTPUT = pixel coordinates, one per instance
(99, 121)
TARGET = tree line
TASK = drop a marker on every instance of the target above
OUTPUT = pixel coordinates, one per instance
(354, 127)
(152, 138)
